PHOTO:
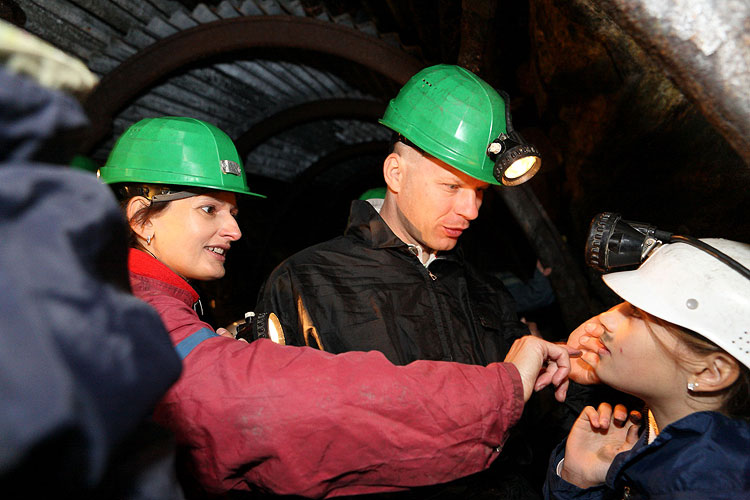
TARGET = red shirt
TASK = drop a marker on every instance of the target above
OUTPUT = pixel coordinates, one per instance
(297, 421)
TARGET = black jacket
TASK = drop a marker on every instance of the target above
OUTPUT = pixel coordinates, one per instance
(366, 290)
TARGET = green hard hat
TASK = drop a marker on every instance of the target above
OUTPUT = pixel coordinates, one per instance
(82, 162)
(377, 192)
(176, 151)
(451, 114)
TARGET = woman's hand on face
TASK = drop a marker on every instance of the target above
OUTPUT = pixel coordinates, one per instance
(596, 437)
(586, 339)
(541, 363)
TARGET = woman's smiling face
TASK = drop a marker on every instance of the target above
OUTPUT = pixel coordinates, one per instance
(192, 235)
(640, 355)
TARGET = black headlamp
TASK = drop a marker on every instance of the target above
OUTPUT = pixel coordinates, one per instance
(616, 244)
(516, 161)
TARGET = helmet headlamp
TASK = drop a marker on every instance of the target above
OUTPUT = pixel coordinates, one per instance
(516, 161)
(614, 243)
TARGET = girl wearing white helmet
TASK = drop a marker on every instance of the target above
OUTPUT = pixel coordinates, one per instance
(681, 343)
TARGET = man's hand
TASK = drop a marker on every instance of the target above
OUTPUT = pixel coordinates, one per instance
(541, 363)
(586, 339)
(596, 437)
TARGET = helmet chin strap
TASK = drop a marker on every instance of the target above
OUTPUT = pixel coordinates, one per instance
(172, 196)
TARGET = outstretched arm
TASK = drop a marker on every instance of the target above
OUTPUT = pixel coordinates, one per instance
(297, 421)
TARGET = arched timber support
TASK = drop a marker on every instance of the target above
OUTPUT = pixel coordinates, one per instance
(326, 109)
(144, 69)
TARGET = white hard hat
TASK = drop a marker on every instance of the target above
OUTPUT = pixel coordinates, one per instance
(690, 288)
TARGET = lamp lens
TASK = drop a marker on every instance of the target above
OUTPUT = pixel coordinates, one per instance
(520, 167)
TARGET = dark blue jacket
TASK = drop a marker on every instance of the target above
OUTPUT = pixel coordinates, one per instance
(700, 457)
(82, 361)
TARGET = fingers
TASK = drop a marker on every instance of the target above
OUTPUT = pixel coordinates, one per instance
(590, 358)
(562, 391)
(632, 436)
(620, 415)
(591, 415)
(540, 363)
(224, 333)
(558, 370)
(593, 328)
(591, 343)
(555, 375)
(604, 415)
(586, 336)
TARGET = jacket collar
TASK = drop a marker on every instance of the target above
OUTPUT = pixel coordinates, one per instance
(365, 223)
(698, 431)
(143, 264)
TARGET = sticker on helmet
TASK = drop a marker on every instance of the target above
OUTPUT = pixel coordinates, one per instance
(230, 167)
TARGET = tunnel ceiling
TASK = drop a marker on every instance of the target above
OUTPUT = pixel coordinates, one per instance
(638, 106)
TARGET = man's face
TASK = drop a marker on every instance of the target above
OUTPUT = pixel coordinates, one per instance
(435, 202)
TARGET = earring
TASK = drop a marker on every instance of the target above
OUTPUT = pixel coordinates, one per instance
(148, 239)
(692, 386)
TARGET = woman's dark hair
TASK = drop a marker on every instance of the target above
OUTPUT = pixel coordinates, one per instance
(736, 397)
(124, 193)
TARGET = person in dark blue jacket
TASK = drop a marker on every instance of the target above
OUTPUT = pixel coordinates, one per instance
(82, 361)
(681, 343)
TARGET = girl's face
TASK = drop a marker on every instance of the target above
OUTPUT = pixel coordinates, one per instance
(193, 235)
(640, 355)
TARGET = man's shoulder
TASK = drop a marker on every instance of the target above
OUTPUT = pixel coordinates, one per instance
(330, 251)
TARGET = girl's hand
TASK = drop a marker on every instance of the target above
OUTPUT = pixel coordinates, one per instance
(597, 436)
(586, 339)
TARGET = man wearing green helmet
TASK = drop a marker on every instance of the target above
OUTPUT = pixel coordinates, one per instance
(394, 282)
(248, 416)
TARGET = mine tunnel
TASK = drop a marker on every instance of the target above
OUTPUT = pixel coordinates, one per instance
(638, 107)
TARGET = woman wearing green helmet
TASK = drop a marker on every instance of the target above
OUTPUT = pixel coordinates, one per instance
(176, 179)
(294, 421)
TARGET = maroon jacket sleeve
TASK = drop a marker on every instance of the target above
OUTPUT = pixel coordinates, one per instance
(297, 421)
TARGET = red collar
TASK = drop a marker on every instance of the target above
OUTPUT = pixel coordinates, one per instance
(144, 264)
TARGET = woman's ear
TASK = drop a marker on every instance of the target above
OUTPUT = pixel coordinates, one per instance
(720, 370)
(134, 205)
